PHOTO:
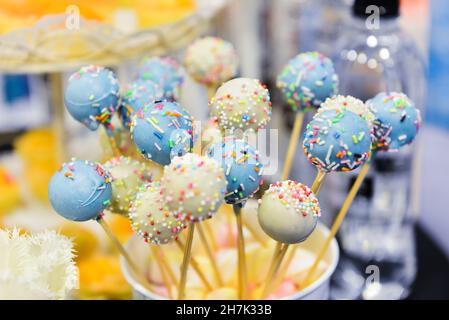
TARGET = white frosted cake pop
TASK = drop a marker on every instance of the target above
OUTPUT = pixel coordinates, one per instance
(193, 185)
(349, 103)
(128, 175)
(211, 61)
(149, 218)
(288, 212)
(241, 103)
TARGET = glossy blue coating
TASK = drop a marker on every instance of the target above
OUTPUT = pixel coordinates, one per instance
(80, 190)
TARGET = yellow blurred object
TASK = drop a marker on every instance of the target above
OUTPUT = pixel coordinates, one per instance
(101, 278)
(120, 226)
(222, 294)
(36, 148)
(149, 13)
(10, 196)
(85, 241)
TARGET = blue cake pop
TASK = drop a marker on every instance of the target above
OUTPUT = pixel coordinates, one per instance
(162, 130)
(92, 96)
(137, 95)
(337, 140)
(242, 167)
(307, 80)
(397, 121)
(166, 72)
(80, 190)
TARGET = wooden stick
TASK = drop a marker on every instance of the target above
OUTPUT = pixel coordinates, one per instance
(242, 272)
(294, 137)
(210, 234)
(162, 271)
(210, 255)
(195, 267)
(124, 253)
(186, 262)
(211, 89)
(166, 266)
(272, 276)
(337, 223)
(57, 102)
(319, 180)
(231, 239)
(254, 233)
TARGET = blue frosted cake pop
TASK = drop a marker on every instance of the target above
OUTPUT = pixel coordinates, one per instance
(92, 96)
(307, 80)
(80, 190)
(166, 72)
(397, 121)
(242, 167)
(337, 140)
(162, 130)
(137, 95)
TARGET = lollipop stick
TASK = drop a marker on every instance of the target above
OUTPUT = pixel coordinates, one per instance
(243, 276)
(123, 252)
(337, 223)
(185, 262)
(319, 180)
(272, 274)
(112, 143)
(166, 266)
(210, 255)
(292, 145)
(165, 279)
(211, 235)
(57, 102)
(211, 89)
(254, 233)
(195, 267)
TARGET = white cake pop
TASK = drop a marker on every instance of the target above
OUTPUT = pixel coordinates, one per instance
(288, 212)
(193, 185)
(241, 103)
(211, 61)
(149, 218)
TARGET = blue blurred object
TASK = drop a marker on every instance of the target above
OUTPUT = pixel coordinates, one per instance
(15, 87)
(438, 73)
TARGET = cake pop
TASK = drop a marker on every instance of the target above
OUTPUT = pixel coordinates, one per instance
(137, 95)
(288, 211)
(241, 103)
(397, 121)
(350, 103)
(193, 185)
(162, 130)
(242, 168)
(80, 190)
(337, 140)
(211, 61)
(164, 71)
(128, 175)
(149, 218)
(307, 80)
(92, 96)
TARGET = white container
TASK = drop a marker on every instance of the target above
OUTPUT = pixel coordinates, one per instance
(319, 290)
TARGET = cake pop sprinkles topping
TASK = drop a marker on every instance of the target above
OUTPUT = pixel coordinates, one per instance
(307, 80)
(164, 71)
(150, 220)
(137, 95)
(193, 185)
(92, 96)
(128, 175)
(162, 130)
(80, 190)
(297, 196)
(211, 61)
(337, 140)
(349, 103)
(397, 121)
(242, 167)
(288, 211)
(241, 103)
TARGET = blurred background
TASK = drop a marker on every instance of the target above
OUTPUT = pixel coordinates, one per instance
(399, 220)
